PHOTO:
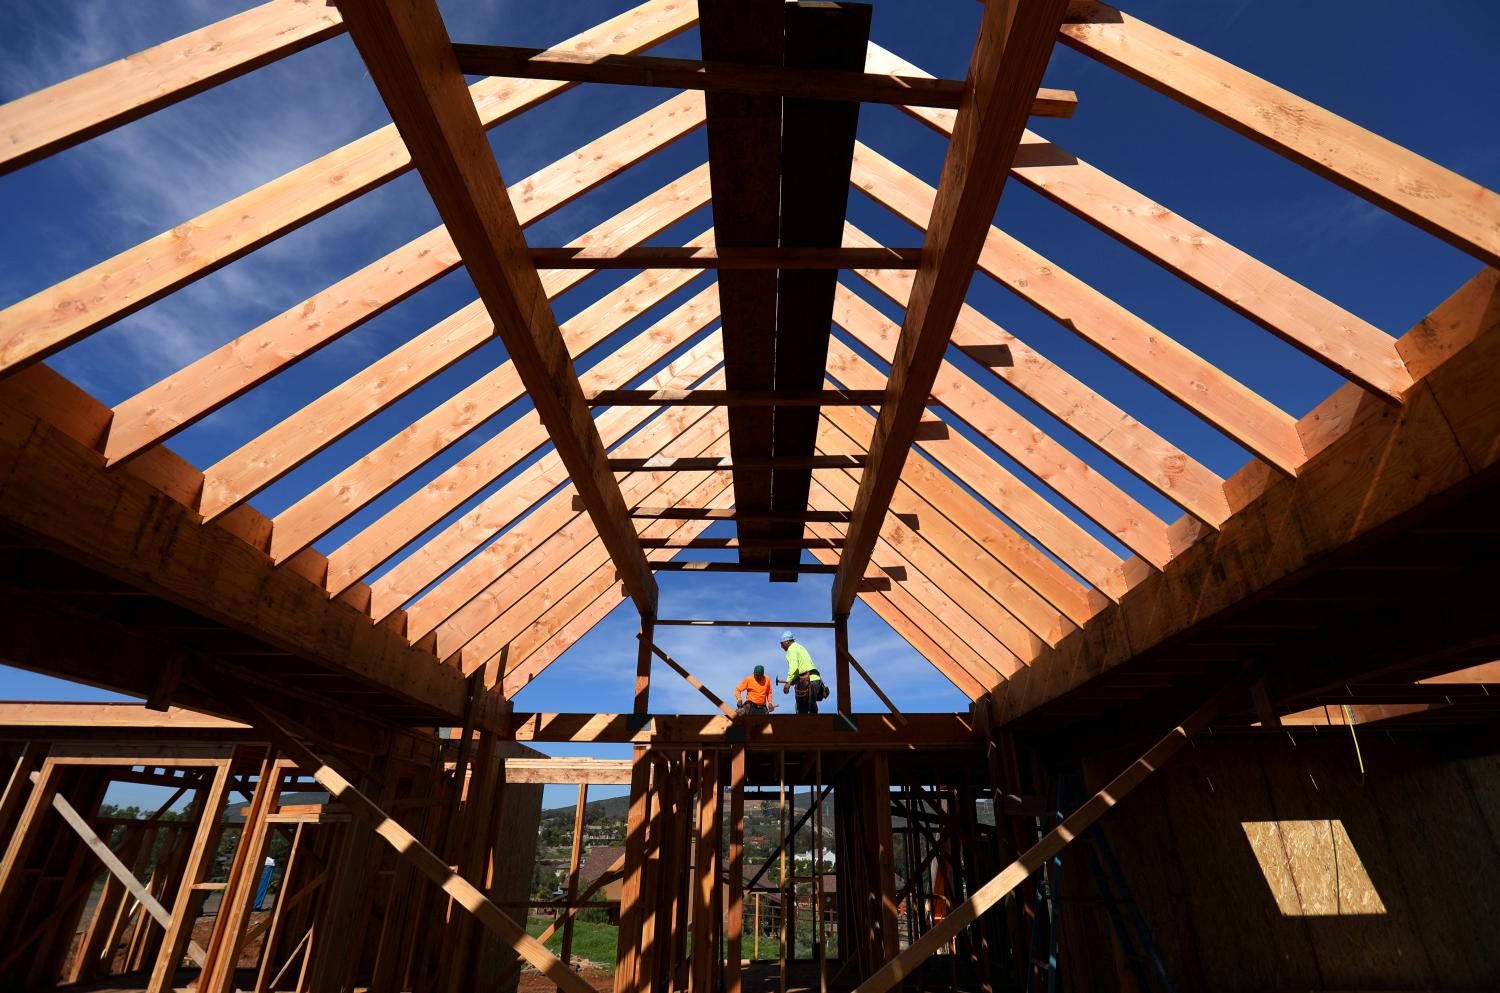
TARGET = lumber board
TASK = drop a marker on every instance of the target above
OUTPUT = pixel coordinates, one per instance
(325, 507)
(183, 398)
(1440, 202)
(727, 514)
(1195, 383)
(1017, 602)
(492, 460)
(1092, 494)
(550, 563)
(1044, 523)
(1170, 471)
(986, 134)
(1345, 343)
(97, 297)
(54, 490)
(1372, 463)
(411, 62)
(686, 565)
(744, 158)
(808, 462)
(815, 258)
(817, 148)
(65, 114)
(732, 398)
(568, 771)
(488, 576)
(762, 731)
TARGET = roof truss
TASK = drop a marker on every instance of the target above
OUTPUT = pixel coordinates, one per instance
(989, 579)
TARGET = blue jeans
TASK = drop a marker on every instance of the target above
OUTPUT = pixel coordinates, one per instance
(808, 704)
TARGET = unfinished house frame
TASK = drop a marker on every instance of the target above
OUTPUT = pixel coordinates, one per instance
(1342, 579)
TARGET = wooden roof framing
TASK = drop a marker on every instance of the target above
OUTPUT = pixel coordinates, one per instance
(1001, 589)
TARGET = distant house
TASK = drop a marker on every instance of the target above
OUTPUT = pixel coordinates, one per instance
(599, 859)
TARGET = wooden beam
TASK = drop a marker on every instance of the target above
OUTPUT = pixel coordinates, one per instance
(762, 731)
(489, 584)
(745, 80)
(44, 123)
(1369, 463)
(711, 77)
(1091, 493)
(1440, 202)
(817, 148)
(405, 46)
(854, 663)
(56, 493)
(652, 257)
(693, 680)
(1163, 466)
(155, 414)
(931, 509)
(590, 772)
(417, 513)
(1073, 826)
(802, 568)
(1009, 58)
(733, 398)
(713, 514)
(327, 506)
(1049, 527)
(701, 544)
(729, 462)
(682, 622)
(1186, 377)
(1323, 330)
(409, 849)
(77, 307)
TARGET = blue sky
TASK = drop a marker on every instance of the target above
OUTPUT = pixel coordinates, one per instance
(1421, 75)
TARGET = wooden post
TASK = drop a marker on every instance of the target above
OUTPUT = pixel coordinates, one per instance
(28, 831)
(841, 662)
(222, 954)
(784, 952)
(756, 954)
(885, 866)
(734, 921)
(643, 665)
(705, 955)
(631, 909)
(819, 917)
(573, 858)
(199, 858)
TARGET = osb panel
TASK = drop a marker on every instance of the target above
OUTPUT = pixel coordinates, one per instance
(1262, 863)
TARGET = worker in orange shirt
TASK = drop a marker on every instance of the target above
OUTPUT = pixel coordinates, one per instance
(753, 695)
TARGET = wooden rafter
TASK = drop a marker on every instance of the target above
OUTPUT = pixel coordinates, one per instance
(1065, 473)
(1172, 472)
(46, 122)
(1323, 330)
(322, 509)
(414, 515)
(1441, 202)
(1010, 56)
(97, 297)
(180, 400)
(1191, 380)
(410, 59)
(745, 80)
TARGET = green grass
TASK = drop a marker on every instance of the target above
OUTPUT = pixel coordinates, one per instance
(595, 942)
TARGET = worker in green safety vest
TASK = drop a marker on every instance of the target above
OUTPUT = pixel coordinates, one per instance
(802, 676)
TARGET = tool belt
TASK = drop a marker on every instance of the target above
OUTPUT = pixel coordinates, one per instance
(803, 684)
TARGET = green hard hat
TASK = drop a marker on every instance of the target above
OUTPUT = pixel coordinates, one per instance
(760, 670)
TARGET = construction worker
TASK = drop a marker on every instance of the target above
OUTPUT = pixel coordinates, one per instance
(801, 675)
(753, 695)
